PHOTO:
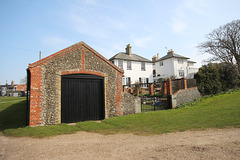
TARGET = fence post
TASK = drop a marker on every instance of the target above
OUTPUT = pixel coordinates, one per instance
(150, 88)
(164, 88)
(184, 83)
(169, 86)
(169, 101)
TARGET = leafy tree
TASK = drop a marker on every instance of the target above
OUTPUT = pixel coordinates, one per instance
(224, 44)
(208, 79)
(229, 76)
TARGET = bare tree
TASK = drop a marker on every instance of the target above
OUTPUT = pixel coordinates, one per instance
(224, 44)
(24, 80)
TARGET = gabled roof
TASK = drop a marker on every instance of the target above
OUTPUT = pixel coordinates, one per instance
(132, 57)
(171, 55)
(70, 49)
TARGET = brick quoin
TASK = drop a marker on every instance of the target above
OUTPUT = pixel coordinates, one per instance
(82, 71)
(118, 95)
(35, 100)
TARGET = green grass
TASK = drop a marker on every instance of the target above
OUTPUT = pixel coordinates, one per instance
(212, 112)
(12, 112)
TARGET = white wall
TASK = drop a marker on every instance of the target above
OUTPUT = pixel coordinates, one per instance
(178, 67)
(171, 67)
(166, 70)
(136, 71)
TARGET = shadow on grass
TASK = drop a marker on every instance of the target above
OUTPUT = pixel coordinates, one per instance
(14, 116)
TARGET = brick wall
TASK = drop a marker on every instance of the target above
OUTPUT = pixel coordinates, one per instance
(35, 97)
(21, 87)
(45, 100)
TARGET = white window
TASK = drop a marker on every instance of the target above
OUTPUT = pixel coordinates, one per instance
(181, 73)
(126, 81)
(144, 81)
(129, 65)
(142, 66)
(120, 64)
(180, 61)
(161, 63)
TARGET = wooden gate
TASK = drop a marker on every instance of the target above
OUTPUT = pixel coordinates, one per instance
(82, 98)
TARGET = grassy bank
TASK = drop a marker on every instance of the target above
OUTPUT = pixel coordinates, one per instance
(212, 112)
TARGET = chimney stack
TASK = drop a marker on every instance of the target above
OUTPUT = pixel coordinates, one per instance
(12, 83)
(158, 55)
(128, 49)
(154, 58)
(170, 51)
(40, 55)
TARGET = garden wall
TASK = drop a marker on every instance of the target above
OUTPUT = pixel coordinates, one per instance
(184, 96)
(131, 103)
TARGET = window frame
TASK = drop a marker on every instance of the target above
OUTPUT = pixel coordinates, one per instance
(181, 73)
(120, 65)
(129, 65)
(180, 61)
(143, 66)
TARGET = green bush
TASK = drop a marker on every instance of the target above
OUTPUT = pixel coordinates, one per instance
(208, 79)
(214, 78)
(229, 76)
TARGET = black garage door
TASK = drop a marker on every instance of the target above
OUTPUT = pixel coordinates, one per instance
(82, 98)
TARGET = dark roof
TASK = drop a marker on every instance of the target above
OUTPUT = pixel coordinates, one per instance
(132, 57)
(9, 85)
(171, 55)
(191, 61)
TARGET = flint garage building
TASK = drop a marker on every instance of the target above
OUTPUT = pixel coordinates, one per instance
(75, 84)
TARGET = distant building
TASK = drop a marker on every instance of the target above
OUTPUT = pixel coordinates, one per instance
(13, 90)
(136, 68)
(173, 65)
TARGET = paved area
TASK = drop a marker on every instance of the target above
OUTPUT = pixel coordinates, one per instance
(208, 144)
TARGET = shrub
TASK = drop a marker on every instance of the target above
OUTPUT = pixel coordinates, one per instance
(229, 76)
(214, 78)
(208, 79)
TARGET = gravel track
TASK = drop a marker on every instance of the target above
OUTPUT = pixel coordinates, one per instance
(207, 144)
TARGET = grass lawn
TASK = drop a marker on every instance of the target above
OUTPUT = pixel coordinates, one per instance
(212, 112)
(12, 112)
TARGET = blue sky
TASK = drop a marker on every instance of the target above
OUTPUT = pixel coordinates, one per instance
(150, 26)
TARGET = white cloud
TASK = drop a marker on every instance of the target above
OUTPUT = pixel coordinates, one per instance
(197, 6)
(180, 17)
(90, 2)
(141, 41)
(55, 42)
(178, 26)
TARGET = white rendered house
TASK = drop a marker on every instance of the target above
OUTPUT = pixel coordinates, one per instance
(136, 68)
(173, 65)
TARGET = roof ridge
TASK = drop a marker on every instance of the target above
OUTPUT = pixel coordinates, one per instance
(72, 48)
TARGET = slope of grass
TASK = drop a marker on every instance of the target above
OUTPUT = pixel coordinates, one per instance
(12, 112)
(213, 112)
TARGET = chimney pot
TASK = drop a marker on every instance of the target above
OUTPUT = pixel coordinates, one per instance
(154, 58)
(170, 51)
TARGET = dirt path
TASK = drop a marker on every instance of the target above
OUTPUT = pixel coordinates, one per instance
(209, 144)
